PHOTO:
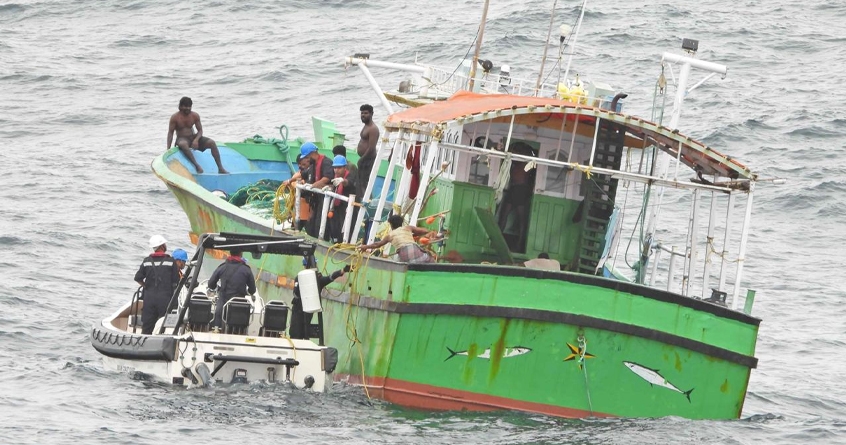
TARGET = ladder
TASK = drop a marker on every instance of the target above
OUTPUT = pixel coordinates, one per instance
(600, 193)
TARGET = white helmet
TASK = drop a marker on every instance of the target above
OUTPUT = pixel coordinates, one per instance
(156, 241)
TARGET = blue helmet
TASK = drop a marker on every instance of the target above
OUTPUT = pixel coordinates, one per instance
(180, 255)
(339, 161)
(307, 149)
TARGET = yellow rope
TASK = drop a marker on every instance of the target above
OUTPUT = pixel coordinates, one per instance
(358, 263)
(287, 195)
(294, 374)
(585, 169)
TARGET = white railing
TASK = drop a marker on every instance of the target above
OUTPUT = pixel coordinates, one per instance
(328, 195)
(438, 83)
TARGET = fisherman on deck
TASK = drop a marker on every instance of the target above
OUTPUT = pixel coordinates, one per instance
(305, 175)
(366, 146)
(402, 239)
(323, 174)
(158, 276)
(236, 280)
(345, 184)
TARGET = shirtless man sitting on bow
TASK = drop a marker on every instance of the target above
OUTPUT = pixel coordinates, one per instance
(183, 123)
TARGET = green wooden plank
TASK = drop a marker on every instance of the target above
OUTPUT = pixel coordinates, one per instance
(486, 219)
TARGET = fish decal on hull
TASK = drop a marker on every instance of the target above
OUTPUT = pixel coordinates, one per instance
(653, 377)
(486, 354)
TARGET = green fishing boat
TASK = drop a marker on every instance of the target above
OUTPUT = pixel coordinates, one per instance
(555, 288)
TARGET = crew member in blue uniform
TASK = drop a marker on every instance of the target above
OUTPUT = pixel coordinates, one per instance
(159, 276)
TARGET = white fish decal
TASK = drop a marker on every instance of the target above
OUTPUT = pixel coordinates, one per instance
(653, 377)
(486, 354)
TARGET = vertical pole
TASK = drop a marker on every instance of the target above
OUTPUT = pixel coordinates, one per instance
(478, 45)
(724, 254)
(545, 48)
(744, 237)
(397, 154)
(348, 219)
(655, 265)
(595, 138)
(296, 206)
(678, 163)
(709, 244)
(694, 229)
(431, 156)
(380, 153)
(561, 133)
(750, 299)
(663, 159)
(672, 266)
(575, 38)
(326, 202)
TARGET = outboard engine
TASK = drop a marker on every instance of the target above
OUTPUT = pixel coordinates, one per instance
(202, 375)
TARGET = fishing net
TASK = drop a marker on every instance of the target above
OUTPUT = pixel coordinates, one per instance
(266, 198)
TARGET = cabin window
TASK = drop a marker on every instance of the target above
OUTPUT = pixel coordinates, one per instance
(560, 181)
(480, 173)
(449, 157)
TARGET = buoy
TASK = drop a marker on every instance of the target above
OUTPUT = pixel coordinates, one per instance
(430, 220)
(330, 214)
(424, 241)
(309, 291)
(563, 91)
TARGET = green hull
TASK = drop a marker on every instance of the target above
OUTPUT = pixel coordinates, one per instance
(441, 336)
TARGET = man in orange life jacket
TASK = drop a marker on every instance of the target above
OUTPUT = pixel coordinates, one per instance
(159, 276)
(323, 174)
(345, 184)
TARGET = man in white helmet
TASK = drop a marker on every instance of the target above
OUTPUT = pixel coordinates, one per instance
(158, 276)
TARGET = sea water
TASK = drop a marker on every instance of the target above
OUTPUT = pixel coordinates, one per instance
(86, 90)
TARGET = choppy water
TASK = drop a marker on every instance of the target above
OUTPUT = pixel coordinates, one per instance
(86, 89)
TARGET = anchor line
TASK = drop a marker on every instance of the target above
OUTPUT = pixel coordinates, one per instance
(582, 362)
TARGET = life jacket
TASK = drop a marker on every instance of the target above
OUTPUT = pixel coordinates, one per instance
(318, 167)
(340, 190)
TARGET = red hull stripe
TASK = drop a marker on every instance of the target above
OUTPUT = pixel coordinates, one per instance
(428, 397)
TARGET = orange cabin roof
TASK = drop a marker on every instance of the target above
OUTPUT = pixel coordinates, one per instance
(464, 103)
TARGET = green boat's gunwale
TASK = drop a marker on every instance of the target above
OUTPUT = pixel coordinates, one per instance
(480, 311)
(590, 280)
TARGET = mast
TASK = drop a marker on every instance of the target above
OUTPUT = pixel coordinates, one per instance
(478, 45)
(575, 37)
(662, 162)
(545, 48)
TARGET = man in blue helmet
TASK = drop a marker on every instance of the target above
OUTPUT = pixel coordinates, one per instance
(345, 184)
(181, 257)
(158, 276)
(323, 174)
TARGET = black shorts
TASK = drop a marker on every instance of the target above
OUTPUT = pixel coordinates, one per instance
(203, 144)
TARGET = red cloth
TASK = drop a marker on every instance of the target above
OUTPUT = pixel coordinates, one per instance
(412, 162)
